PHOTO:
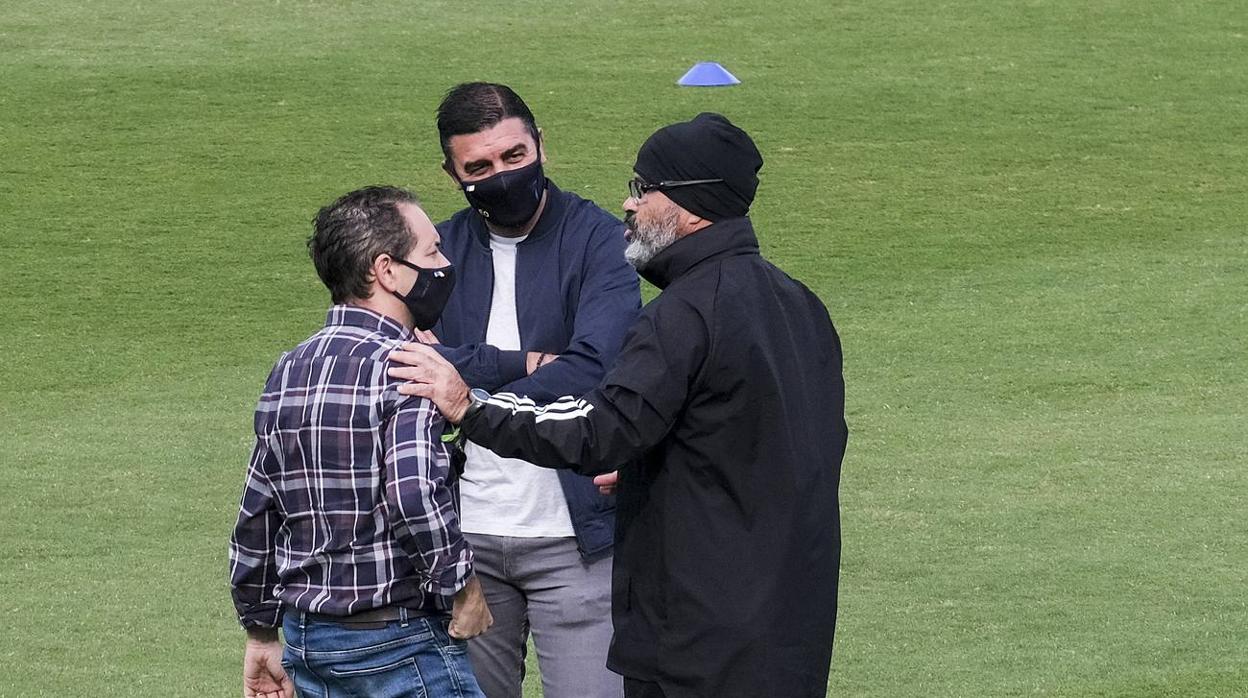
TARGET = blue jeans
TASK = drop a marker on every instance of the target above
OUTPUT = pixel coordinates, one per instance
(415, 658)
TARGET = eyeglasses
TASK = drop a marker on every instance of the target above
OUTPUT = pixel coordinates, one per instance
(638, 187)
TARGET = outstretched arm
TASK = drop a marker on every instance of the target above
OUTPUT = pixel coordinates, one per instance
(627, 415)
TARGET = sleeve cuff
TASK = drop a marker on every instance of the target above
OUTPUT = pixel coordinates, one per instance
(453, 577)
(511, 366)
(267, 616)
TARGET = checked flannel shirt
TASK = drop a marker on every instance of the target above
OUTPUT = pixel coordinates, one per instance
(348, 504)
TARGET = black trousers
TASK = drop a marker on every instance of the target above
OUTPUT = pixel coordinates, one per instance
(641, 689)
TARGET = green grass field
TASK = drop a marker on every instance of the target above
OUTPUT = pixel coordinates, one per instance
(1027, 218)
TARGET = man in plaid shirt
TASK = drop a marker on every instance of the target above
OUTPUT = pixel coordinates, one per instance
(348, 536)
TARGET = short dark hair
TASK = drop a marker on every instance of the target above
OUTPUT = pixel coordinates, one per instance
(351, 232)
(475, 106)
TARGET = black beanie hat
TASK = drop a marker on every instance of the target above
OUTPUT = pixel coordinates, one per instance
(708, 147)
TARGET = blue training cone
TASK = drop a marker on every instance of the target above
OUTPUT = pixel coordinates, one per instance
(708, 74)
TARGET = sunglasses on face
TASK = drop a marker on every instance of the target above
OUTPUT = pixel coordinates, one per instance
(638, 187)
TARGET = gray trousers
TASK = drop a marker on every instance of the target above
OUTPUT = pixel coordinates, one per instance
(541, 585)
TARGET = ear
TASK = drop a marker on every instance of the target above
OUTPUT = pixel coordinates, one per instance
(384, 275)
(449, 169)
(541, 143)
(691, 223)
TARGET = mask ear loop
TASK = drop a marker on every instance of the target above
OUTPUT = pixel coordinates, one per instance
(541, 182)
(424, 278)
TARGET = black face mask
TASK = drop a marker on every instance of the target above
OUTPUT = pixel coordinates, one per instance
(508, 199)
(429, 294)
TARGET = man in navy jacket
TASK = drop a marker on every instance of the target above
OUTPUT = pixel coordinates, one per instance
(544, 298)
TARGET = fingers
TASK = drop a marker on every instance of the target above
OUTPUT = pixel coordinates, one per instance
(274, 686)
(415, 347)
(459, 633)
(419, 374)
(607, 482)
(417, 389)
(607, 479)
(415, 353)
(468, 631)
(412, 358)
(423, 371)
(426, 336)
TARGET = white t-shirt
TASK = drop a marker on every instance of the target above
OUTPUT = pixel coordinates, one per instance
(508, 496)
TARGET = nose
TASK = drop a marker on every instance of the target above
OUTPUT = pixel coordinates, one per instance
(630, 204)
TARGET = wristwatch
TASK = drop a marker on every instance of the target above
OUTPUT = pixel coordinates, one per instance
(476, 400)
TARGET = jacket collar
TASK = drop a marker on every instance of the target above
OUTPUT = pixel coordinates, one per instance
(548, 221)
(729, 237)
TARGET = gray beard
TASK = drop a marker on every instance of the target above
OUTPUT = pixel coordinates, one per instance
(647, 241)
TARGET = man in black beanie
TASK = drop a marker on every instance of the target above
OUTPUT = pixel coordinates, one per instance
(724, 415)
(706, 169)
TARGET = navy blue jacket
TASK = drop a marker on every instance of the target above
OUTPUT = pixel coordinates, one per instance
(576, 296)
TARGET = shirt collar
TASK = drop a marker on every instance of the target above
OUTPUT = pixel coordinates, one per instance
(356, 316)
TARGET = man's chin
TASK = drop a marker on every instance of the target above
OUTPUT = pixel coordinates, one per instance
(638, 253)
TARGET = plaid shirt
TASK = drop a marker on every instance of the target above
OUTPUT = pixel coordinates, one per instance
(348, 503)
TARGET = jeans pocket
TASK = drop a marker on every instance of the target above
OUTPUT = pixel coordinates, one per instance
(395, 679)
(451, 644)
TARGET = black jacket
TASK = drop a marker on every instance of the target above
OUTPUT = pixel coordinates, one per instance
(724, 412)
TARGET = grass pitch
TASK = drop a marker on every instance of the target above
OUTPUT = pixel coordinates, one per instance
(1027, 219)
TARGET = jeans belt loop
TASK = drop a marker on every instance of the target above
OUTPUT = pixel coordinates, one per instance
(402, 616)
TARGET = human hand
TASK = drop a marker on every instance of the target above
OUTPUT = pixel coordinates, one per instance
(263, 675)
(470, 615)
(607, 482)
(429, 375)
(425, 336)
